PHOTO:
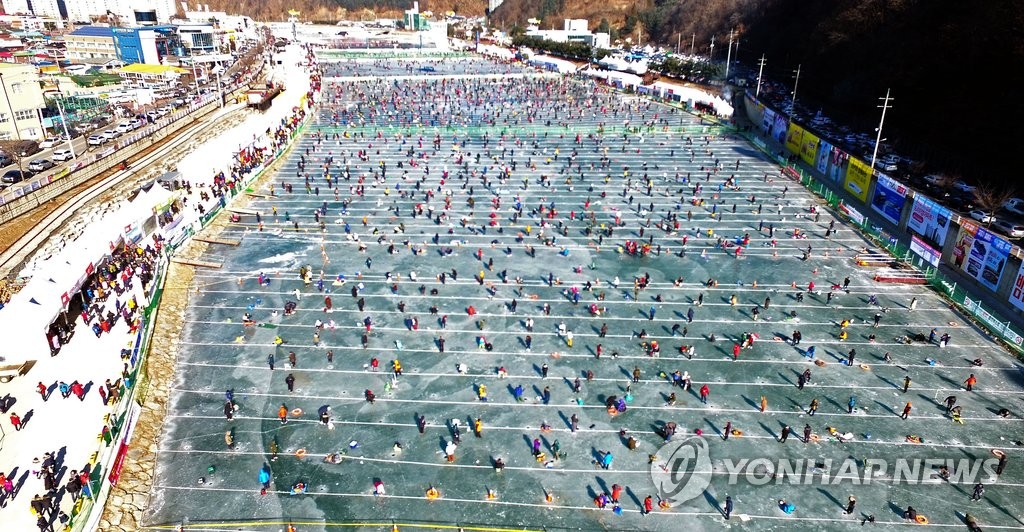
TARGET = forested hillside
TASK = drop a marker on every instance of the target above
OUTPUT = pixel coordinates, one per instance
(950, 64)
(332, 10)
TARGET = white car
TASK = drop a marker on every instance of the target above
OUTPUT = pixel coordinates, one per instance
(1010, 229)
(63, 154)
(40, 165)
(125, 127)
(982, 216)
(50, 142)
(97, 140)
(960, 185)
(111, 134)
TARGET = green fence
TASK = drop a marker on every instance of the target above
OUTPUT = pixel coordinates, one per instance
(968, 305)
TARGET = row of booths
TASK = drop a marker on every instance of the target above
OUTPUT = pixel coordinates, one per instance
(41, 318)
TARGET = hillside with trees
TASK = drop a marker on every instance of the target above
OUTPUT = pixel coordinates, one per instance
(334, 10)
(950, 64)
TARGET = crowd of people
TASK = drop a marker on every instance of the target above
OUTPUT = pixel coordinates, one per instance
(538, 217)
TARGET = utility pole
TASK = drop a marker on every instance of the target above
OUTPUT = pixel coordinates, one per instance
(728, 57)
(759, 72)
(878, 139)
(792, 103)
(679, 41)
(711, 56)
(64, 124)
(693, 42)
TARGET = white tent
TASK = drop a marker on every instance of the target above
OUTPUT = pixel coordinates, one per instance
(553, 63)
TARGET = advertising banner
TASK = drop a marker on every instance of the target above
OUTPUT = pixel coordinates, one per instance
(964, 241)
(794, 138)
(778, 131)
(1017, 293)
(852, 213)
(858, 179)
(987, 258)
(809, 147)
(768, 121)
(837, 163)
(890, 196)
(824, 153)
(926, 252)
(930, 220)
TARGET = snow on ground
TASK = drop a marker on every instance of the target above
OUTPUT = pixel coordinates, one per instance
(68, 427)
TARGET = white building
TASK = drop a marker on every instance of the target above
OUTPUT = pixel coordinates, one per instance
(22, 102)
(84, 10)
(573, 30)
(39, 8)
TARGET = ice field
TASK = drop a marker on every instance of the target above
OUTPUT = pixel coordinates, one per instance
(529, 189)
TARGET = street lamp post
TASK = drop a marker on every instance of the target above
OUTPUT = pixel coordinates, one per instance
(878, 139)
(760, 71)
(728, 57)
(64, 125)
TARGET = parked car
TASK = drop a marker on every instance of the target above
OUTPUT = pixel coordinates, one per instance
(5, 159)
(15, 176)
(39, 165)
(889, 163)
(63, 154)
(125, 127)
(50, 142)
(111, 134)
(960, 185)
(97, 140)
(1014, 205)
(1008, 228)
(982, 216)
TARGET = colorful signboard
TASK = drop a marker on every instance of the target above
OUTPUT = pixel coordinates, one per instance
(926, 252)
(824, 153)
(1017, 292)
(809, 147)
(794, 138)
(858, 179)
(778, 131)
(837, 163)
(987, 258)
(890, 196)
(930, 220)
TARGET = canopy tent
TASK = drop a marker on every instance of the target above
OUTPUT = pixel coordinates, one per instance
(618, 79)
(693, 94)
(552, 63)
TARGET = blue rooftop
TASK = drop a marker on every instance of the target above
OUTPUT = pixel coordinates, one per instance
(94, 31)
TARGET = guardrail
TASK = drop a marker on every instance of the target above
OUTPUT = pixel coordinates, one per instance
(962, 299)
(112, 441)
(22, 198)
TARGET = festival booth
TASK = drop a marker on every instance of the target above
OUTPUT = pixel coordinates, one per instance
(552, 64)
(621, 80)
(490, 50)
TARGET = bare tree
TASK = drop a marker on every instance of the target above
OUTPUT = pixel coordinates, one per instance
(991, 199)
(14, 150)
(946, 182)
